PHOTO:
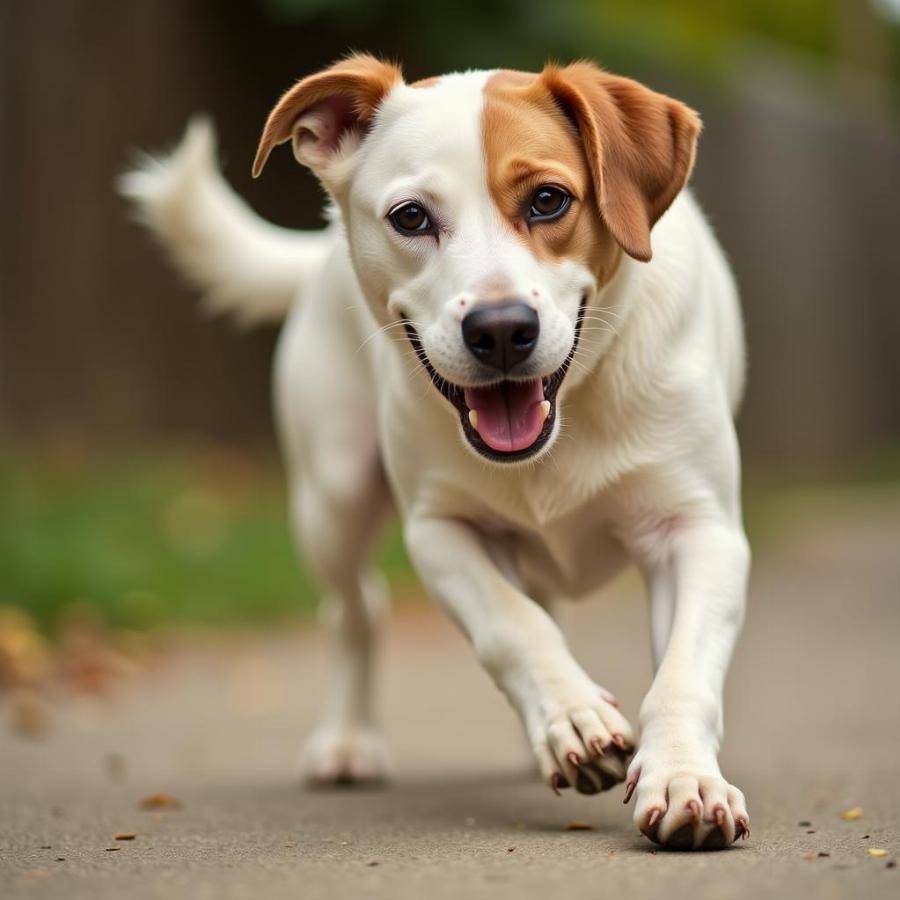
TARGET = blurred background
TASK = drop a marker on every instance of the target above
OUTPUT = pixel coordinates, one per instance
(139, 482)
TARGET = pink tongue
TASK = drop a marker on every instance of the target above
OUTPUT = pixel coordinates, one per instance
(508, 414)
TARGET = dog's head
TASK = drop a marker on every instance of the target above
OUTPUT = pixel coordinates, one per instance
(485, 211)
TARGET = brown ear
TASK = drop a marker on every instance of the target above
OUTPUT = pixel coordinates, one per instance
(320, 111)
(640, 147)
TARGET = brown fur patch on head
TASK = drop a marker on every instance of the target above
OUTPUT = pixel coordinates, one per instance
(528, 142)
(344, 96)
(639, 144)
(621, 150)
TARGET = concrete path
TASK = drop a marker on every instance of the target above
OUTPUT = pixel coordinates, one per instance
(813, 729)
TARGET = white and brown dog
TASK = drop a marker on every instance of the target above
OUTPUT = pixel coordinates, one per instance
(481, 338)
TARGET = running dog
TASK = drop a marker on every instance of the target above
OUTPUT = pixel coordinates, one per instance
(519, 331)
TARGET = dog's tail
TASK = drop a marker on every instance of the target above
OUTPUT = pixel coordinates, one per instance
(246, 266)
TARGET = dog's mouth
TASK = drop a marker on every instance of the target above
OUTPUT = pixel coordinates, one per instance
(508, 420)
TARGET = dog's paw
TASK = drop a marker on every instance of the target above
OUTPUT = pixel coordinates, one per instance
(584, 744)
(686, 808)
(335, 756)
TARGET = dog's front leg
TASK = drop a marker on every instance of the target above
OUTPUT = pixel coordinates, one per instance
(697, 579)
(578, 735)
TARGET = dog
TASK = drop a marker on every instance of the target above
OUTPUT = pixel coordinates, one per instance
(518, 330)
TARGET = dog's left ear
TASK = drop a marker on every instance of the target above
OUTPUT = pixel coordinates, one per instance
(326, 115)
(640, 147)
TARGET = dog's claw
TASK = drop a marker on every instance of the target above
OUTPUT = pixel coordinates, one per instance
(629, 790)
(685, 811)
(558, 783)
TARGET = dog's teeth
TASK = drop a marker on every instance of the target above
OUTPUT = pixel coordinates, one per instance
(545, 409)
(473, 419)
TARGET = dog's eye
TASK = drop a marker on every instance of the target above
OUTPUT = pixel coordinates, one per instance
(410, 219)
(548, 203)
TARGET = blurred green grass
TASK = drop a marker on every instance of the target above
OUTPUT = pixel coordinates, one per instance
(187, 537)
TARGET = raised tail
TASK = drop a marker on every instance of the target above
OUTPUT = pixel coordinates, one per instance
(246, 266)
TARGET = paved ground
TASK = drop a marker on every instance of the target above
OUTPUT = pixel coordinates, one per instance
(813, 729)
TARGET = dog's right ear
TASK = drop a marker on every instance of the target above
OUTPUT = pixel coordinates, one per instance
(326, 115)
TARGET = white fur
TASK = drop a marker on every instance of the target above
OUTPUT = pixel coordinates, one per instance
(644, 469)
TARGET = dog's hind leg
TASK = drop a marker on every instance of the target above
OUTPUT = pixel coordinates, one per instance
(325, 409)
(337, 518)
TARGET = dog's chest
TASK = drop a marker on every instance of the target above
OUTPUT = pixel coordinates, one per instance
(570, 555)
(560, 535)
(570, 488)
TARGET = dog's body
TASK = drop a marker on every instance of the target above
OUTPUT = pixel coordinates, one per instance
(608, 439)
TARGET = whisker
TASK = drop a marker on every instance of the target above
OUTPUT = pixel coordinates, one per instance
(384, 329)
(601, 320)
(598, 319)
(603, 309)
(582, 367)
(593, 313)
(601, 328)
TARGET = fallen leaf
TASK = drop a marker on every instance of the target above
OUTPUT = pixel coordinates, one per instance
(125, 836)
(24, 655)
(111, 849)
(851, 815)
(160, 801)
(877, 851)
(578, 826)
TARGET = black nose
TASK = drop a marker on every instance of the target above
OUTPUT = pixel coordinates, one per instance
(502, 334)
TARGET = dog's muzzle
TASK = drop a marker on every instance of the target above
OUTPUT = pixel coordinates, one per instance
(511, 419)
